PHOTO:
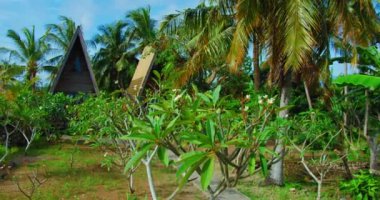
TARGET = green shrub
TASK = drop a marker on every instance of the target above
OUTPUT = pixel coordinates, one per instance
(363, 186)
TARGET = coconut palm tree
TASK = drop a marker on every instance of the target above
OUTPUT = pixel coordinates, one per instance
(30, 51)
(8, 74)
(249, 16)
(61, 34)
(143, 26)
(291, 33)
(115, 61)
(204, 33)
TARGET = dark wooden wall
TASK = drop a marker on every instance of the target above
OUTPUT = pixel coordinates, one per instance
(73, 81)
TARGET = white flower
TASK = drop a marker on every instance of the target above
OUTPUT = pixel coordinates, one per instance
(260, 101)
(265, 96)
(248, 96)
(246, 108)
(271, 100)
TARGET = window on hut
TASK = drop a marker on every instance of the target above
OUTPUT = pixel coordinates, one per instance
(77, 65)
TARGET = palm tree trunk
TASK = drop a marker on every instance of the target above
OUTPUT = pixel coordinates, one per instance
(365, 128)
(372, 142)
(276, 174)
(256, 54)
(308, 96)
(371, 139)
(32, 73)
(345, 115)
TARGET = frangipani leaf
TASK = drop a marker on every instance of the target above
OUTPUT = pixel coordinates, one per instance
(207, 173)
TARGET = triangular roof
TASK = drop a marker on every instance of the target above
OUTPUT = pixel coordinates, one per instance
(68, 81)
(142, 72)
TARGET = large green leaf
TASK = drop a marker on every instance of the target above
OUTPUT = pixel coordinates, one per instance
(188, 160)
(252, 163)
(163, 155)
(215, 94)
(207, 173)
(263, 161)
(210, 129)
(137, 157)
(140, 137)
(190, 171)
(369, 82)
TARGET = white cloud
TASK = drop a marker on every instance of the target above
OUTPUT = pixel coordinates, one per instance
(83, 12)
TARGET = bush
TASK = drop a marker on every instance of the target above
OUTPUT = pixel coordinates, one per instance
(363, 186)
(314, 124)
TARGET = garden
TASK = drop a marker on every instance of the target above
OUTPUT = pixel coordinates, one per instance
(239, 100)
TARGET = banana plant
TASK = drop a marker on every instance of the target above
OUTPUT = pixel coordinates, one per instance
(369, 83)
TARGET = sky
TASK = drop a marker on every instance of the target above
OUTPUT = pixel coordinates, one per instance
(17, 14)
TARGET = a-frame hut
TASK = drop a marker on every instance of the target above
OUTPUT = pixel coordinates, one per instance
(75, 74)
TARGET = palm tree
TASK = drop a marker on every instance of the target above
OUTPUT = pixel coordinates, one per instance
(249, 16)
(29, 51)
(8, 74)
(114, 62)
(143, 26)
(204, 35)
(291, 33)
(61, 34)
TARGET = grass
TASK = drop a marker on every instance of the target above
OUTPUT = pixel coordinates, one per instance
(291, 190)
(87, 179)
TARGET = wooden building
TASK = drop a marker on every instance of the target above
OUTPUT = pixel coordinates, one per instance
(75, 74)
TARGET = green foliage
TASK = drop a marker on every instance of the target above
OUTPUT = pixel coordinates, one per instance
(363, 186)
(369, 82)
(307, 126)
(115, 61)
(200, 128)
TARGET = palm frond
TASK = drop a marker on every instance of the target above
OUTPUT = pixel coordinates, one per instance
(300, 21)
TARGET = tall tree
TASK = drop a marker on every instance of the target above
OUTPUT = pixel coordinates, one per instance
(143, 26)
(114, 62)
(61, 34)
(30, 51)
(204, 33)
(249, 16)
(291, 31)
(8, 74)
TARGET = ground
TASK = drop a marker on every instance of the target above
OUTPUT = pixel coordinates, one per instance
(86, 179)
(298, 184)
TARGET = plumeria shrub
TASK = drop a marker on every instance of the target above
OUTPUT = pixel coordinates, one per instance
(103, 120)
(190, 130)
(23, 118)
(202, 130)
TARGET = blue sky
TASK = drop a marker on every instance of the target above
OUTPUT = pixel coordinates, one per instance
(17, 14)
